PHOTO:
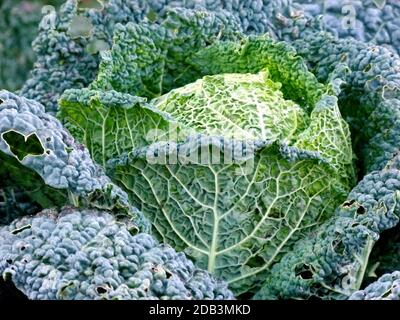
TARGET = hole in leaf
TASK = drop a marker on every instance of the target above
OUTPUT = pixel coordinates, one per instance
(16, 231)
(1, 101)
(251, 29)
(368, 68)
(304, 272)
(133, 230)
(101, 290)
(349, 203)
(168, 273)
(64, 289)
(317, 291)
(360, 210)
(22, 146)
(343, 58)
(387, 293)
(338, 246)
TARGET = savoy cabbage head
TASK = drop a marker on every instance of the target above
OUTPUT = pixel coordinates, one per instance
(247, 152)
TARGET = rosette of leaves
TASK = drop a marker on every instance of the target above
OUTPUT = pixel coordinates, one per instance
(257, 157)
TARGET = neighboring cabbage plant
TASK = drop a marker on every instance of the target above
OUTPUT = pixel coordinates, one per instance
(75, 254)
(257, 157)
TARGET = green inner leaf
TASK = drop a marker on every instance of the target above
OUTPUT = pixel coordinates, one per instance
(241, 106)
(234, 207)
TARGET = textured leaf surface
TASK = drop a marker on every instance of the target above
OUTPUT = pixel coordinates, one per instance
(369, 101)
(149, 59)
(252, 107)
(42, 160)
(65, 63)
(255, 53)
(110, 123)
(235, 207)
(81, 254)
(333, 262)
(244, 204)
(241, 106)
(386, 287)
(98, 117)
(385, 258)
(376, 21)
